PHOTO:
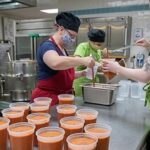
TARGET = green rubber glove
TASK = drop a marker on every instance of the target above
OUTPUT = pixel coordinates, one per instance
(147, 97)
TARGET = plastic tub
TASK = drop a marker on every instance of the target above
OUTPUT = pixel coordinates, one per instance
(66, 110)
(21, 136)
(21, 106)
(4, 123)
(89, 115)
(71, 125)
(40, 120)
(50, 138)
(81, 141)
(66, 98)
(102, 131)
(13, 115)
(39, 108)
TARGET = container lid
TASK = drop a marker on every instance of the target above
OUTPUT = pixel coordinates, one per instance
(82, 141)
(50, 134)
(100, 130)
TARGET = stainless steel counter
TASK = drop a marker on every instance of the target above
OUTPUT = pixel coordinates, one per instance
(130, 122)
(129, 119)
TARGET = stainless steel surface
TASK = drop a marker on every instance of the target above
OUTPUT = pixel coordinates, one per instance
(25, 67)
(104, 94)
(82, 34)
(20, 95)
(8, 53)
(26, 46)
(18, 80)
(14, 4)
(4, 47)
(21, 74)
(115, 27)
(117, 30)
(130, 126)
(130, 122)
(102, 78)
(23, 47)
(121, 49)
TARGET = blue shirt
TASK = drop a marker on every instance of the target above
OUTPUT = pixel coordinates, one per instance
(44, 71)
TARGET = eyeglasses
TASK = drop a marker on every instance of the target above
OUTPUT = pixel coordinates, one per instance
(70, 34)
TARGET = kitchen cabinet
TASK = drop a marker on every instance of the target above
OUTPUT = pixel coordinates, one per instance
(26, 46)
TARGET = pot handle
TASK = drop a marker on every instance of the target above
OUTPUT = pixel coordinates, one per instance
(20, 76)
(8, 54)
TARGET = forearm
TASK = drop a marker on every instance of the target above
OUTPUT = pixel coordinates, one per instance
(65, 62)
(56, 62)
(134, 74)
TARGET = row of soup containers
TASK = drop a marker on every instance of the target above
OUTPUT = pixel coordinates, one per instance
(68, 136)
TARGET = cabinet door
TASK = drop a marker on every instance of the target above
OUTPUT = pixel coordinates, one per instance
(116, 36)
(23, 47)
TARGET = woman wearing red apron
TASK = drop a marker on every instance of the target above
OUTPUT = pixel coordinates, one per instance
(55, 68)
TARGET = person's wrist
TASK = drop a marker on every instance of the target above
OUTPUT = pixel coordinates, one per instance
(83, 73)
(118, 69)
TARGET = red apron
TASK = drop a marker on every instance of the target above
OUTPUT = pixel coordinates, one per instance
(61, 83)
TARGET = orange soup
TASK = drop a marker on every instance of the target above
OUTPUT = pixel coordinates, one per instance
(82, 141)
(40, 121)
(55, 145)
(89, 117)
(3, 133)
(22, 142)
(65, 111)
(71, 126)
(103, 141)
(66, 99)
(14, 116)
(25, 108)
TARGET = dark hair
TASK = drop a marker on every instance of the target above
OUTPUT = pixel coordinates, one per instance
(96, 35)
(68, 21)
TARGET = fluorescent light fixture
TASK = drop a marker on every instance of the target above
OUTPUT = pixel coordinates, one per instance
(50, 11)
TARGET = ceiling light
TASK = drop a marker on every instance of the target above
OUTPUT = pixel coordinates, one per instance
(50, 11)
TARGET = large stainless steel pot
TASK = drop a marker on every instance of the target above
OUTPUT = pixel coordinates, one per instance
(20, 75)
(19, 79)
(19, 82)
(25, 67)
(20, 95)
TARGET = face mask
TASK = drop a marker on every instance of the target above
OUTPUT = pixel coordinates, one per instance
(95, 47)
(68, 42)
